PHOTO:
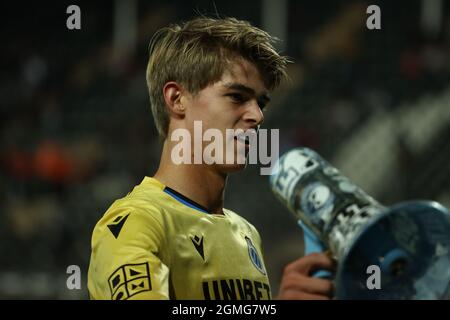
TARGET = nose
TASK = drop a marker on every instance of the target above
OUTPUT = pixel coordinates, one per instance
(253, 114)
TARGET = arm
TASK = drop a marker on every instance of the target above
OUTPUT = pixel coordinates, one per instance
(128, 264)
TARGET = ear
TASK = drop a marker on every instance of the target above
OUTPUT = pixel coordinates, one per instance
(172, 92)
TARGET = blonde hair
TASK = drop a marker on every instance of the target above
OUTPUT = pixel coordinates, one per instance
(196, 54)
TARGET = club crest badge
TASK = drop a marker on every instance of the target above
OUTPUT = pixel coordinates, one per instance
(254, 256)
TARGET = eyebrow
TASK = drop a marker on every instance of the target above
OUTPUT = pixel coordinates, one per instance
(241, 87)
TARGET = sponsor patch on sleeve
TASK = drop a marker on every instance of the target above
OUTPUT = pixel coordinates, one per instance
(130, 279)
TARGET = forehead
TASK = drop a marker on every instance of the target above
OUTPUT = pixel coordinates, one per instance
(243, 72)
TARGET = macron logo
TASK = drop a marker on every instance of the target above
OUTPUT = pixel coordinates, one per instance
(198, 244)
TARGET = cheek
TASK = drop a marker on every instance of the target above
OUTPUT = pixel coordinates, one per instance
(214, 112)
(209, 109)
(202, 105)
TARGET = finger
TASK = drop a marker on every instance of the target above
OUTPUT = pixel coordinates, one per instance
(296, 281)
(318, 286)
(312, 262)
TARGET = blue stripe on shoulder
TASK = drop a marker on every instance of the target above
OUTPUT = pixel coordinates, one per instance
(190, 205)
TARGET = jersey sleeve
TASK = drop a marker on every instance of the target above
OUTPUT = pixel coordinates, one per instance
(127, 258)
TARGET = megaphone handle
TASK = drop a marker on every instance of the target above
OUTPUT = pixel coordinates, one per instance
(313, 244)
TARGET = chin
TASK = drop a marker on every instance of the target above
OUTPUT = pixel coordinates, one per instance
(231, 168)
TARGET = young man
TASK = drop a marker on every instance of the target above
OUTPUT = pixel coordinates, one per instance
(171, 237)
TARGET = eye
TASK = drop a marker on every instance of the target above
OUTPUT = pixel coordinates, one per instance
(236, 97)
(262, 105)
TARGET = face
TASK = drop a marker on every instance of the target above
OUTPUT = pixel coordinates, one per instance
(236, 101)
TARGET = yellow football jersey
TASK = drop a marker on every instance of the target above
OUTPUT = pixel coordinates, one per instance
(157, 244)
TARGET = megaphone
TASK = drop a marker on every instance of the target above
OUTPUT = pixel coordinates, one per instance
(408, 244)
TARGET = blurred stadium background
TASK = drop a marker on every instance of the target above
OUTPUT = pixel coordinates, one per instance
(77, 131)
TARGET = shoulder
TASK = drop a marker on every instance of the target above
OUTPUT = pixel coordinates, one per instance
(140, 214)
(240, 220)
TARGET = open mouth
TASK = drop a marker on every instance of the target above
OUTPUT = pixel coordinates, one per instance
(242, 138)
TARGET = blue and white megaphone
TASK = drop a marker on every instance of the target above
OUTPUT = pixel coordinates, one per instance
(409, 243)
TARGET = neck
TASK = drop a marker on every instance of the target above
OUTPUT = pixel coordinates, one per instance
(199, 182)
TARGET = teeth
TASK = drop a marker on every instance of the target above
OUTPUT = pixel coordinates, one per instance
(243, 139)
